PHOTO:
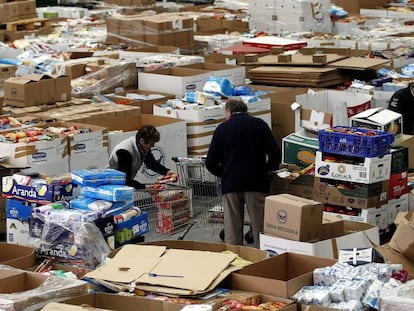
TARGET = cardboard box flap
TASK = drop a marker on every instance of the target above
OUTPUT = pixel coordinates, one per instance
(295, 200)
(315, 120)
(367, 113)
(36, 77)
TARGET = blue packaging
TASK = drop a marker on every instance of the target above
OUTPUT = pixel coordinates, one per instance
(96, 177)
(113, 193)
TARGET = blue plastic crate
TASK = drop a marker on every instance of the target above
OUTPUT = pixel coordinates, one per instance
(355, 143)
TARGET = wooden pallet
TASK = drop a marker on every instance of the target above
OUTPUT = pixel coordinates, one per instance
(26, 24)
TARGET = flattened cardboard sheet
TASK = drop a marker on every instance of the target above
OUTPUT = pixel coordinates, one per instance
(359, 63)
(172, 268)
(181, 268)
(129, 263)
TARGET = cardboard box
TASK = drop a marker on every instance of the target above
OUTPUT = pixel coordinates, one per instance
(17, 256)
(46, 87)
(374, 216)
(301, 186)
(6, 71)
(236, 74)
(399, 159)
(26, 9)
(75, 70)
(146, 104)
(403, 238)
(42, 193)
(18, 214)
(341, 104)
(117, 302)
(354, 7)
(274, 41)
(359, 196)
(299, 149)
(292, 217)
(88, 148)
(391, 256)
(21, 92)
(370, 170)
(354, 235)
(173, 80)
(63, 88)
(281, 275)
(408, 141)
(395, 206)
(20, 290)
(283, 118)
(125, 231)
(398, 185)
(379, 119)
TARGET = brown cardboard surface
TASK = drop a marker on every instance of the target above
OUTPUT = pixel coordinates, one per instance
(299, 60)
(281, 276)
(21, 92)
(187, 265)
(292, 217)
(391, 256)
(403, 240)
(17, 256)
(55, 306)
(173, 268)
(358, 63)
(124, 267)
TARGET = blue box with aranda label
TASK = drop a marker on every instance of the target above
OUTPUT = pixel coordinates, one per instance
(126, 231)
(19, 209)
(39, 192)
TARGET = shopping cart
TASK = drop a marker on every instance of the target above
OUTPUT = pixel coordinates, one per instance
(169, 210)
(206, 189)
(206, 193)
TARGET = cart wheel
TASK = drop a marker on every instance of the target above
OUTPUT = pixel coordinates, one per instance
(221, 235)
(248, 237)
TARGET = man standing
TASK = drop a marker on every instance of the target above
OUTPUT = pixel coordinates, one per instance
(242, 152)
(402, 101)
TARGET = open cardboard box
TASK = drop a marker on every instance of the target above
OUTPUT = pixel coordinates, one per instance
(23, 290)
(354, 235)
(280, 276)
(17, 256)
(403, 239)
(104, 301)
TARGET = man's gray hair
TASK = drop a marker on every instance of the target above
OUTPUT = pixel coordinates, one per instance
(235, 104)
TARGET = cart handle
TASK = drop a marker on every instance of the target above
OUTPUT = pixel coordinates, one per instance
(185, 159)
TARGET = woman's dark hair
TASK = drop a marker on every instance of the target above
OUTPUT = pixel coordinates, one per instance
(411, 85)
(235, 104)
(148, 133)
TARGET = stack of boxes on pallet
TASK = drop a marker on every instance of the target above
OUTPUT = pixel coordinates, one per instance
(357, 173)
(19, 19)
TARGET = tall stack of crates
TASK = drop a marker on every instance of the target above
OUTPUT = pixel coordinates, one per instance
(359, 176)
